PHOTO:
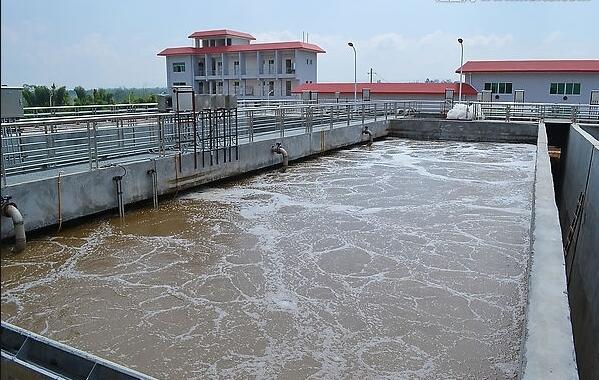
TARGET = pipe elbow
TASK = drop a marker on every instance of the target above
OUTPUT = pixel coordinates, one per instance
(368, 133)
(11, 211)
(277, 149)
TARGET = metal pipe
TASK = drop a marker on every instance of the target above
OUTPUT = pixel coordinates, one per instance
(279, 150)
(461, 42)
(59, 196)
(10, 211)
(366, 131)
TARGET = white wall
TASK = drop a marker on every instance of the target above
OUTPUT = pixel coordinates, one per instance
(186, 76)
(303, 71)
(536, 85)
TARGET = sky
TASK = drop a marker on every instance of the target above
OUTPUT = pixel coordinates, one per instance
(113, 43)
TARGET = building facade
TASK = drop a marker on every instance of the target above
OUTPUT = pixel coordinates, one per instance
(228, 62)
(535, 81)
(388, 91)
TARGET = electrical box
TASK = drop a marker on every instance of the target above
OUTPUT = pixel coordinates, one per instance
(165, 102)
(12, 103)
(215, 102)
(595, 97)
(365, 94)
(182, 98)
(487, 96)
(519, 96)
(449, 94)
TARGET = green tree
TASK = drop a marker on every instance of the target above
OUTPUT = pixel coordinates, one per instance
(36, 96)
(82, 98)
(60, 96)
(101, 96)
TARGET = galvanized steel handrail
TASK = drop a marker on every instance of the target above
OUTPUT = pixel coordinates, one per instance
(96, 140)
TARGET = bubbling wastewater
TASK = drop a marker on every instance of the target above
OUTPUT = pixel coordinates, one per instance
(407, 260)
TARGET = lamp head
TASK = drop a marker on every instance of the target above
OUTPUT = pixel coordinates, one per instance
(460, 40)
(351, 44)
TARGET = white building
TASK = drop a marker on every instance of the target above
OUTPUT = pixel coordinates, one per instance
(537, 81)
(227, 62)
(387, 91)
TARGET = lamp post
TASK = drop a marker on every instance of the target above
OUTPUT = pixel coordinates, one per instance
(355, 72)
(461, 41)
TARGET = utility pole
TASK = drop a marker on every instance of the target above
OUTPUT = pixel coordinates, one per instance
(371, 75)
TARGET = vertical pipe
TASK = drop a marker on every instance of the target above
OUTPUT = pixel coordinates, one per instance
(89, 146)
(236, 136)
(59, 196)
(95, 130)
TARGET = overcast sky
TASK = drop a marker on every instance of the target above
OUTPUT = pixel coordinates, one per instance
(113, 43)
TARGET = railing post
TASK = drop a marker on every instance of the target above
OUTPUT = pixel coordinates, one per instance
(348, 115)
(374, 111)
(89, 146)
(95, 130)
(251, 126)
(362, 108)
(507, 113)
(574, 114)
(331, 117)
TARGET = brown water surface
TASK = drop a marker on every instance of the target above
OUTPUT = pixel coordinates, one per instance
(404, 261)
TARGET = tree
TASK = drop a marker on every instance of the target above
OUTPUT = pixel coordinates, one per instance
(82, 97)
(36, 96)
(60, 96)
(101, 96)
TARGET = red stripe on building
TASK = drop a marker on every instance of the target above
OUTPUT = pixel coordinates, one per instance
(386, 88)
(546, 66)
(221, 33)
(292, 45)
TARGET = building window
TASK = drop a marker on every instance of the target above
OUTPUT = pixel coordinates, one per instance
(179, 83)
(288, 88)
(228, 42)
(179, 67)
(219, 87)
(249, 90)
(236, 87)
(564, 88)
(499, 87)
(236, 67)
(307, 61)
(310, 61)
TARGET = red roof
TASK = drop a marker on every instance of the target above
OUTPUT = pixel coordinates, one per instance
(292, 45)
(545, 66)
(221, 33)
(386, 88)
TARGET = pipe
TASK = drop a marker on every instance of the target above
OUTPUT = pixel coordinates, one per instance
(58, 192)
(366, 131)
(10, 210)
(278, 150)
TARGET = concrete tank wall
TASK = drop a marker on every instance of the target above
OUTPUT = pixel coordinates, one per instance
(581, 175)
(464, 130)
(90, 192)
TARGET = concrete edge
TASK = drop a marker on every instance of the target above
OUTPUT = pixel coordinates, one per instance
(586, 135)
(548, 351)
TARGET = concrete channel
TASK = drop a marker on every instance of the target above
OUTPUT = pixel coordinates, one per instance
(548, 348)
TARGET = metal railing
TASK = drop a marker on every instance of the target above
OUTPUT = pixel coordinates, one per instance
(37, 145)
(508, 111)
(94, 109)
(95, 141)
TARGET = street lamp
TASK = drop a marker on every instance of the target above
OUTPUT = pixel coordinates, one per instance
(461, 42)
(355, 72)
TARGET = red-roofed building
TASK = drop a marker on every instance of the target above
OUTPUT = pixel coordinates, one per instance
(389, 91)
(227, 62)
(543, 81)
